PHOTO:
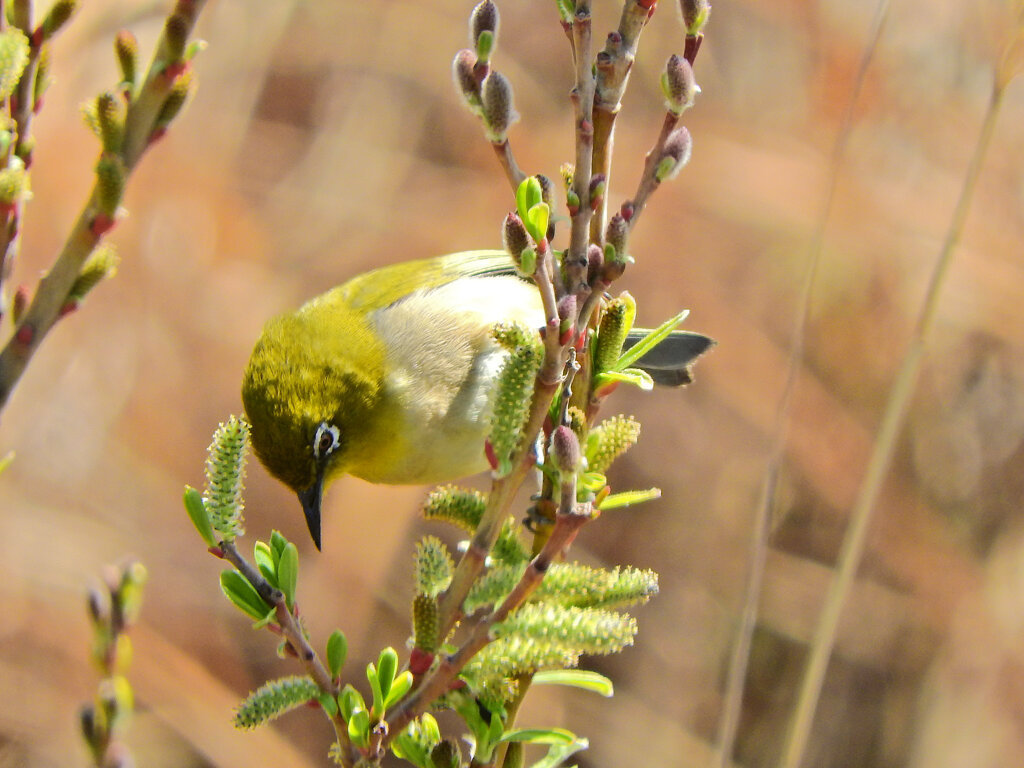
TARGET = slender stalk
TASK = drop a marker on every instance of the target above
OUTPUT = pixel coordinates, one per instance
(54, 287)
(292, 631)
(881, 455)
(740, 657)
(514, 174)
(583, 104)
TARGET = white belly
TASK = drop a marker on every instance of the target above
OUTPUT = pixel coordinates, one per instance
(445, 363)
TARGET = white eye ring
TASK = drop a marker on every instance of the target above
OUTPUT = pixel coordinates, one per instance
(326, 440)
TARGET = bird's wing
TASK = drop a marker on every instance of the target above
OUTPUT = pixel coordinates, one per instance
(382, 287)
(669, 362)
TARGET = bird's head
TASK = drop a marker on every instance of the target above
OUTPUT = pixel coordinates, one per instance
(310, 390)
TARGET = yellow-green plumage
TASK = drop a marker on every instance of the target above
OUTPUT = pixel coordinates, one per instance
(390, 377)
(399, 359)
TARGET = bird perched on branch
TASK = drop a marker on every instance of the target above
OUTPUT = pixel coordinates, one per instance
(389, 377)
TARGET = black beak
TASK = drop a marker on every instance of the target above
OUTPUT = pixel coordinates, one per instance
(310, 500)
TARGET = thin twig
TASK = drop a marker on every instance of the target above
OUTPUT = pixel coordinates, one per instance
(292, 631)
(514, 174)
(733, 702)
(54, 287)
(648, 180)
(881, 454)
(583, 105)
(613, 66)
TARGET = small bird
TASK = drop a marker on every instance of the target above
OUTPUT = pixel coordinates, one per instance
(389, 376)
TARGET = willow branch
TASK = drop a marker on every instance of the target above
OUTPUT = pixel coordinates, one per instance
(140, 124)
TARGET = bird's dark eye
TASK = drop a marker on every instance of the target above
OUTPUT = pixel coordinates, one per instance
(326, 440)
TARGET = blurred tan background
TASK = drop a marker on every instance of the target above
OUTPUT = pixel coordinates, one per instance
(326, 138)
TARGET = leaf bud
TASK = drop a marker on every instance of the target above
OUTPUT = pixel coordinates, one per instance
(547, 190)
(616, 233)
(678, 85)
(126, 48)
(565, 449)
(180, 91)
(695, 15)
(596, 190)
(176, 30)
(514, 236)
(55, 18)
(110, 180)
(484, 19)
(566, 318)
(528, 262)
(19, 303)
(109, 121)
(498, 112)
(675, 154)
(595, 261)
(465, 79)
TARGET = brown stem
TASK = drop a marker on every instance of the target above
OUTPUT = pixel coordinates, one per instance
(614, 64)
(293, 632)
(648, 180)
(513, 173)
(583, 104)
(53, 289)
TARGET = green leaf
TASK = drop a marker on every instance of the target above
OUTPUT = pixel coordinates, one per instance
(359, 728)
(528, 194)
(536, 221)
(245, 597)
(288, 573)
(576, 678)
(559, 753)
(337, 650)
(628, 498)
(539, 736)
(650, 341)
(193, 505)
(350, 700)
(633, 376)
(14, 50)
(375, 688)
(277, 545)
(265, 561)
(387, 667)
(400, 687)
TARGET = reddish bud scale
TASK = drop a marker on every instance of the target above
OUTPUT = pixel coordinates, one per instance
(25, 335)
(157, 134)
(174, 70)
(7, 208)
(647, 5)
(67, 309)
(37, 105)
(37, 37)
(420, 661)
(492, 458)
(627, 210)
(216, 552)
(101, 224)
